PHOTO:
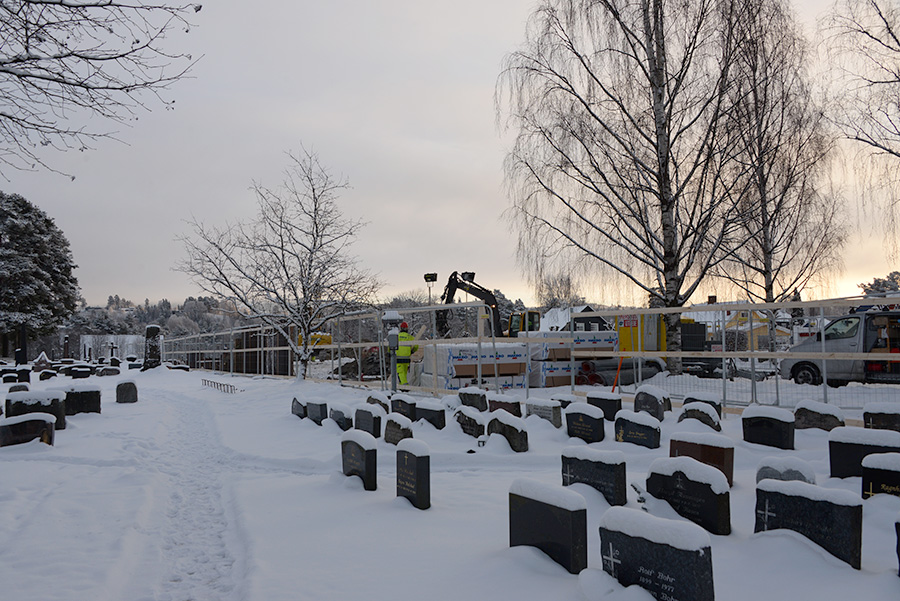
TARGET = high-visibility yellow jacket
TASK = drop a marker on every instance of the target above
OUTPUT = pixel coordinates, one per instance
(404, 352)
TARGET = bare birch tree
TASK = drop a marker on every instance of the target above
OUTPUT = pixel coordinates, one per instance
(792, 232)
(291, 266)
(63, 64)
(619, 106)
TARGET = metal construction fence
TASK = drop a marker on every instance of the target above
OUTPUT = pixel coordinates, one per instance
(731, 350)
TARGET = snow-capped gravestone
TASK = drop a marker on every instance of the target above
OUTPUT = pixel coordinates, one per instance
(821, 416)
(712, 449)
(701, 412)
(545, 409)
(80, 372)
(711, 399)
(414, 472)
(341, 415)
(21, 387)
(405, 405)
(881, 474)
(608, 402)
(359, 457)
(829, 517)
(397, 428)
(368, 419)
(847, 446)
(317, 412)
(512, 407)
(670, 559)
(550, 518)
(298, 408)
(108, 371)
(585, 422)
(653, 400)
(785, 469)
(377, 398)
(473, 397)
(10, 378)
(882, 416)
(433, 413)
(564, 400)
(46, 375)
(471, 421)
(769, 426)
(152, 348)
(82, 398)
(637, 428)
(511, 428)
(603, 471)
(32, 401)
(126, 392)
(23, 374)
(697, 491)
(25, 428)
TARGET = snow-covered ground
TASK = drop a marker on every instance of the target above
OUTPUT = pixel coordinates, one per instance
(195, 494)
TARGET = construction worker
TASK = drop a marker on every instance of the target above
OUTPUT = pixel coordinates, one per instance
(404, 352)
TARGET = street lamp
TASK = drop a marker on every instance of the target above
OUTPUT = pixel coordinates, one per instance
(430, 279)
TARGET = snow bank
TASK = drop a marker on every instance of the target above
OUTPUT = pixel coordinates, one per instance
(33, 397)
(823, 408)
(884, 407)
(674, 533)
(585, 453)
(796, 488)
(882, 461)
(545, 493)
(693, 470)
(782, 415)
(641, 417)
(363, 439)
(416, 447)
(705, 438)
(869, 436)
(584, 409)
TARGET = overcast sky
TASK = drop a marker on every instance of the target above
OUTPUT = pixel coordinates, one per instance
(395, 95)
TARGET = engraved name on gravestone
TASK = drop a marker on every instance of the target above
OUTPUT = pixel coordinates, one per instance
(585, 422)
(831, 518)
(368, 419)
(881, 474)
(608, 402)
(670, 559)
(359, 457)
(511, 428)
(604, 471)
(695, 490)
(848, 446)
(769, 426)
(711, 449)
(550, 518)
(637, 428)
(414, 472)
(317, 412)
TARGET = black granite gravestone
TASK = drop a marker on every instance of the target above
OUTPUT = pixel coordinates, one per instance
(831, 518)
(80, 372)
(52, 402)
(341, 416)
(22, 387)
(473, 397)
(638, 548)
(640, 429)
(708, 448)
(433, 413)
(376, 398)
(404, 405)
(882, 416)
(847, 446)
(368, 420)
(820, 416)
(115, 361)
(470, 421)
(702, 412)
(511, 428)
(609, 403)
(603, 471)
(881, 474)
(652, 400)
(553, 520)
(317, 412)
(298, 408)
(585, 422)
(697, 491)
(82, 400)
(769, 426)
(359, 457)
(564, 400)
(548, 410)
(713, 400)
(46, 375)
(23, 374)
(512, 407)
(126, 392)
(414, 473)
(25, 428)
(10, 378)
(152, 348)
(397, 428)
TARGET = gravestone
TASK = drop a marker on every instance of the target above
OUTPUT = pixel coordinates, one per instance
(414, 472)
(511, 428)
(564, 400)
(433, 413)
(821, 416)
(23, 374)
(46, 375)
(473, 397)
(604, 471)
(897, 530)
(298, 408)
(514, 408)
(882, 416)
(608, 402)
(670, 559)
(712, 449)
(769, 426)
(377, 398)
(368, 419)
(152, 348)
(710, 398)
(831, 518)
(341, 415)
(697, 491)
(18, 387)
(115, 361)
(108, 371)
(637, 428)
(847, 446)
(10, 378)
(317, 412)
(881, 474)
(785, 469)
(585, 422)
(397, 428)
(82, 399)
(653, 400)
(552, 519)
(32, 401)
(359, 457)
(470, 421)
(404, 404)
(25, 428)
(80, 372)
(126, 392)
(548, 410)
(129, 358)
(702, 412)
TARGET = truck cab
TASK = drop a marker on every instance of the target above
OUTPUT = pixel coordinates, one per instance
(860, 333)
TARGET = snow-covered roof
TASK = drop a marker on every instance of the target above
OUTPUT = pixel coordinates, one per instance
(558, 317)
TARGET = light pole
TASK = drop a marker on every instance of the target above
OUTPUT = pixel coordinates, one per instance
(430, 279)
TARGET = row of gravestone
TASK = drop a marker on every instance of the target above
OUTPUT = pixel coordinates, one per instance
(359, 457)
(37, 415)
